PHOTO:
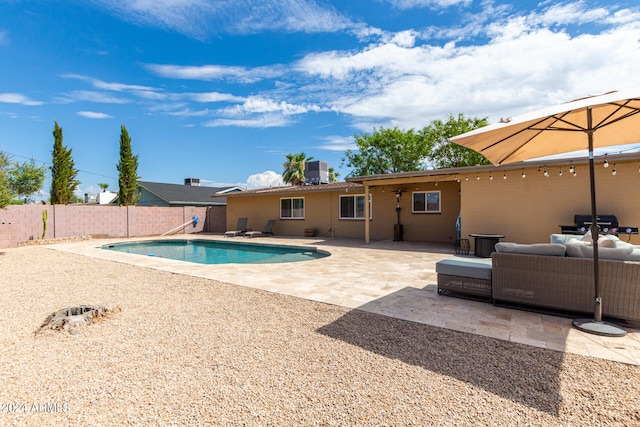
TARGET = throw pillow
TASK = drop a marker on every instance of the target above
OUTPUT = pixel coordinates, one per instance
(586, 251)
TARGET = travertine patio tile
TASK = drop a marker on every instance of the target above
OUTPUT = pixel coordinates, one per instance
(528, 341)
(495, 333)
(394, 279)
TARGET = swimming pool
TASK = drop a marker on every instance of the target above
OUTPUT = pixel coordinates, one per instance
(217, 252)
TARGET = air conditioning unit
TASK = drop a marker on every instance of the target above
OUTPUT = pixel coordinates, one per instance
(194, 182)
(316, 172)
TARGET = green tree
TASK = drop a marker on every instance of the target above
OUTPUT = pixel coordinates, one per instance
(294, 168)
(127, 171)
(333, 175)
(103, 186)
(5, 191)
(26, 178)
(386, 151)
(63, 172)
(446, 154)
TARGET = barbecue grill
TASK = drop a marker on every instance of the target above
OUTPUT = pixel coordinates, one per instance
(608, 225)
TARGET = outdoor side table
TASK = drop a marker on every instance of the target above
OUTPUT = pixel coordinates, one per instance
(485, 244)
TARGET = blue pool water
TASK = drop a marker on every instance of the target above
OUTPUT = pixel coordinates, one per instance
(216, 252)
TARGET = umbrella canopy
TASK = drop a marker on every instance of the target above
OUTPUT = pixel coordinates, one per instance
(596, 121)
(563, 128)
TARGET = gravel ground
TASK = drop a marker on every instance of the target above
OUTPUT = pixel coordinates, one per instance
(190, 351)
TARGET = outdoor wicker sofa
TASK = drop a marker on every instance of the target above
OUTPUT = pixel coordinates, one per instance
(566, 283)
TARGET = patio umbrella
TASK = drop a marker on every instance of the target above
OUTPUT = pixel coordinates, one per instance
(596, 121)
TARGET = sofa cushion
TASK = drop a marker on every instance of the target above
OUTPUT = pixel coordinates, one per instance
(635, 255)
(581, 250)
(550, 249)
(560, 238)
(603, 242)
(477, 268)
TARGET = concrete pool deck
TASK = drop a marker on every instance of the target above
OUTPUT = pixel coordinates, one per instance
(396, 279)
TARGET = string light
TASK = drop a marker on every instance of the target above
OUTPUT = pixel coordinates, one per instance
(613, 172)
(504, 176)
(606, 163)
(466, 178)
(571, 169)
(524, 176)
(560, 173)
(490, 177)
(575, 171)
(477, 177)
(546, 173)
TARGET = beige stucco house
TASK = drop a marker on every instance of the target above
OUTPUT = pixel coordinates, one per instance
(519, 201)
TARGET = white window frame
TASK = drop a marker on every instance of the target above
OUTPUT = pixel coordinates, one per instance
(354, 217)
(426, 204)
(292, 209)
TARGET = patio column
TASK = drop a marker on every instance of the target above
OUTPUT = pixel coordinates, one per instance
(367, 218)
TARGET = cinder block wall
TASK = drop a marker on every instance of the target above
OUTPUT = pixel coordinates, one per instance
(113, 221)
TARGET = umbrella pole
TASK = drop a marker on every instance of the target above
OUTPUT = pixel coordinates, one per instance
(596, 325)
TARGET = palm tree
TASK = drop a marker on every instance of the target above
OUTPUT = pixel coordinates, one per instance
(294, 168)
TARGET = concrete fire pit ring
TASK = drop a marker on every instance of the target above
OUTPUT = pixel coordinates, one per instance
(70, 318)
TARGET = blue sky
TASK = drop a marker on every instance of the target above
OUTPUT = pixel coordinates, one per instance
(221, 90)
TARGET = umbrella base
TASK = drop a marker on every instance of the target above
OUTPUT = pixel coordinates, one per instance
(599, 328)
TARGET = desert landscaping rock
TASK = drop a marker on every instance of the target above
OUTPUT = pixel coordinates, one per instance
(192, 351)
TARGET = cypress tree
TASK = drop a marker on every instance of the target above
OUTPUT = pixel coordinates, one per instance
(127, 171)
(63, 172)
(5, 192)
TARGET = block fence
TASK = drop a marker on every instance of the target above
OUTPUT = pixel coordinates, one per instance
(20, 223)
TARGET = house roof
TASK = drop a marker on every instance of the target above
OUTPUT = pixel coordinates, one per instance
(453, 173)
(178, 194)
(300, 189)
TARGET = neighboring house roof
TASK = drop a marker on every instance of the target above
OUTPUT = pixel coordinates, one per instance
(178, 194)
(297, 189)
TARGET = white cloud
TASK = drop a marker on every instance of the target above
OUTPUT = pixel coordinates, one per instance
(525, 64)
(214, 97)
(189, 113)
(92, 96)
(290, 15)
(146, 92)
(410, 4)
(337, 143)
(265, 121)
(256, 104)
(200, 19)
(4, 39)
(405, 78)
(258, 112)
(215, 72)
(404, 38)
(571, 13)
(100, 84)
(264, 180)
(17, 98)
(94, 115)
